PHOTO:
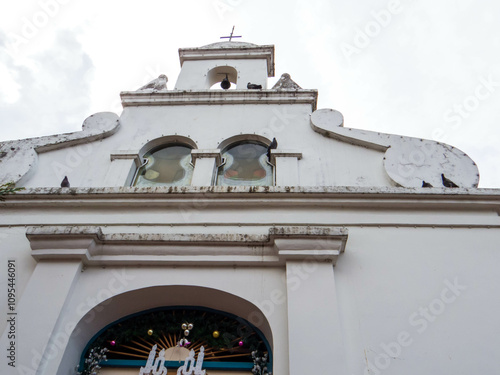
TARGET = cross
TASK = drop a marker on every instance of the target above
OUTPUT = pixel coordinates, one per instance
(230, 36)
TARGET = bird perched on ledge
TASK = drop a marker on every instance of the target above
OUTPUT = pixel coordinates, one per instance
(448, 183)
(272, 146)
(253, 86)
(65, 182)
(426, 184)
(156, 84)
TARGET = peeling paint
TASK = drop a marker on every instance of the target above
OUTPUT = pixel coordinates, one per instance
(408, 161)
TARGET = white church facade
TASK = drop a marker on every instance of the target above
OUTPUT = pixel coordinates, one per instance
(242, 223)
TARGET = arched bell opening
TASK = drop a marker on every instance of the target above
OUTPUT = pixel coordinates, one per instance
(225, 76)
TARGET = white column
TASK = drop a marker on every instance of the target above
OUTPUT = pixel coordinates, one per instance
(286, 167)
(122, 169)
(205, 166)
(315, 337)
(44, 298)
(314, 331)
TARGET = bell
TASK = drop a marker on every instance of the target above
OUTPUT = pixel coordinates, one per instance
(225, 84)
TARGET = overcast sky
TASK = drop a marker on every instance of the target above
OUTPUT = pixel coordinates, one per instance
(427, 68)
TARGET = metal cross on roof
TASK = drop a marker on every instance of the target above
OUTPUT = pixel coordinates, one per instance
(230, 36)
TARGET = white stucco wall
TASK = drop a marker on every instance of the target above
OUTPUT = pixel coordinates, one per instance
(397, 262)
(325, 162)
(420, 300)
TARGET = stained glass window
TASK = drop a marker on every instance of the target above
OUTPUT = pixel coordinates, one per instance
(245, 164)
(166, 166)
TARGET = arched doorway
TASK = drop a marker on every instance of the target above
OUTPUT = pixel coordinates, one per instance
(227, 340)
(187, 302)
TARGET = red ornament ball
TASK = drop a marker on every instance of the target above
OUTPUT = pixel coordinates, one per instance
(113, 343)
(241, 343)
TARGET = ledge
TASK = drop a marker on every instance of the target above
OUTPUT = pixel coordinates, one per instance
(141, 198)
(213, 97)
(390, 192)
(246, 51)
(284, 154)
(91, 246)
(126, 155)
(199, 154)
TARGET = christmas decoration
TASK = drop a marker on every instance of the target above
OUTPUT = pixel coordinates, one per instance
(193, 366)
(241, 343)
(186, 327)
(166, 327)
(113, 343)
(92, 363)
(155, 366)
(259, 364)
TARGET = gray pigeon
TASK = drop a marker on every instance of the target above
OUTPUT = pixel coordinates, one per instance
(286, 83)
(65, 182)
(426, 184)
(448, 183)
(157, 84)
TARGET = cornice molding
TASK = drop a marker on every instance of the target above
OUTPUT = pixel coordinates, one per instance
(244, 52)
(93, 247)
(219, 97)
(254, 191)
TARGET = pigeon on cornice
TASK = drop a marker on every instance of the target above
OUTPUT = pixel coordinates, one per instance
(447, 182)
(286, 83)
(157, 84)
(65, 182)
(254, 86)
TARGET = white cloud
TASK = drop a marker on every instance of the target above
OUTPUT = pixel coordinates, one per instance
(52, 88)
